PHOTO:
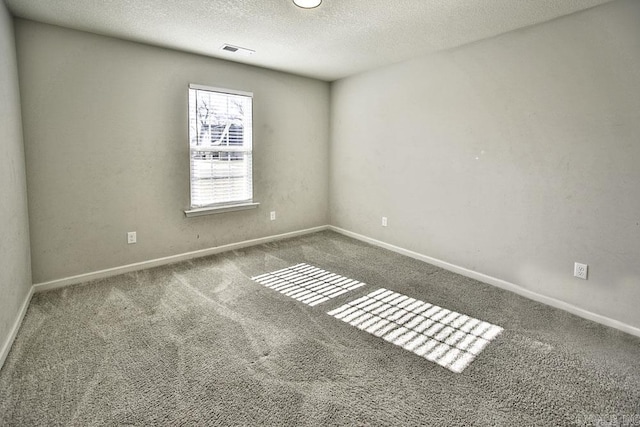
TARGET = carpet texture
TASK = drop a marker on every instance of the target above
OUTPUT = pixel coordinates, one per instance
(450, 339)
(200, 343)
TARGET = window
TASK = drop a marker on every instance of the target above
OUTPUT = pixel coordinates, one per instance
(220, 150)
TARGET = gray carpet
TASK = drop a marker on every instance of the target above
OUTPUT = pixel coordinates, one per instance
(200, 343)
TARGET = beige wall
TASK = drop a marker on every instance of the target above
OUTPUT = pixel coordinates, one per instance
(106, 147)
(513, 157)
(15, 265)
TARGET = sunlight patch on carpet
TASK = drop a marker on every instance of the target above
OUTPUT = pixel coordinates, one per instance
(307, 284)
(450, 339)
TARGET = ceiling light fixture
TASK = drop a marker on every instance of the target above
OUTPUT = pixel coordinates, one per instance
(307, 4)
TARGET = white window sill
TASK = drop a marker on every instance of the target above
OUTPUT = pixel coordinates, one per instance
(211, 210)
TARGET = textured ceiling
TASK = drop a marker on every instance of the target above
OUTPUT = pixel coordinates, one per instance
(335, 40)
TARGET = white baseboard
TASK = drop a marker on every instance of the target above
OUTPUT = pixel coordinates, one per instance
(503, 284)
(101, 274)
(16, 326)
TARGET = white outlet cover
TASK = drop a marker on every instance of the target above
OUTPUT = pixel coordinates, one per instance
(131, 237)
(384, 221)
(273, 215)
(580, 270)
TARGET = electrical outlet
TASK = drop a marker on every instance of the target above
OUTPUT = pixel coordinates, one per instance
(384, 221)
(131, 237)
(273, 215)
(580, 270)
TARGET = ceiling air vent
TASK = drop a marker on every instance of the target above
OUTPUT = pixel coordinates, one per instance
(237, 50)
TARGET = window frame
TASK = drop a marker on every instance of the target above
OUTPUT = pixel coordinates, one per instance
(222, 206)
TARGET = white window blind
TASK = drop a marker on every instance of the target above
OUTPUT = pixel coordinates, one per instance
(220, 146)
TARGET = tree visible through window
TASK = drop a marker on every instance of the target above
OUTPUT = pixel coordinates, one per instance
(220, 145)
